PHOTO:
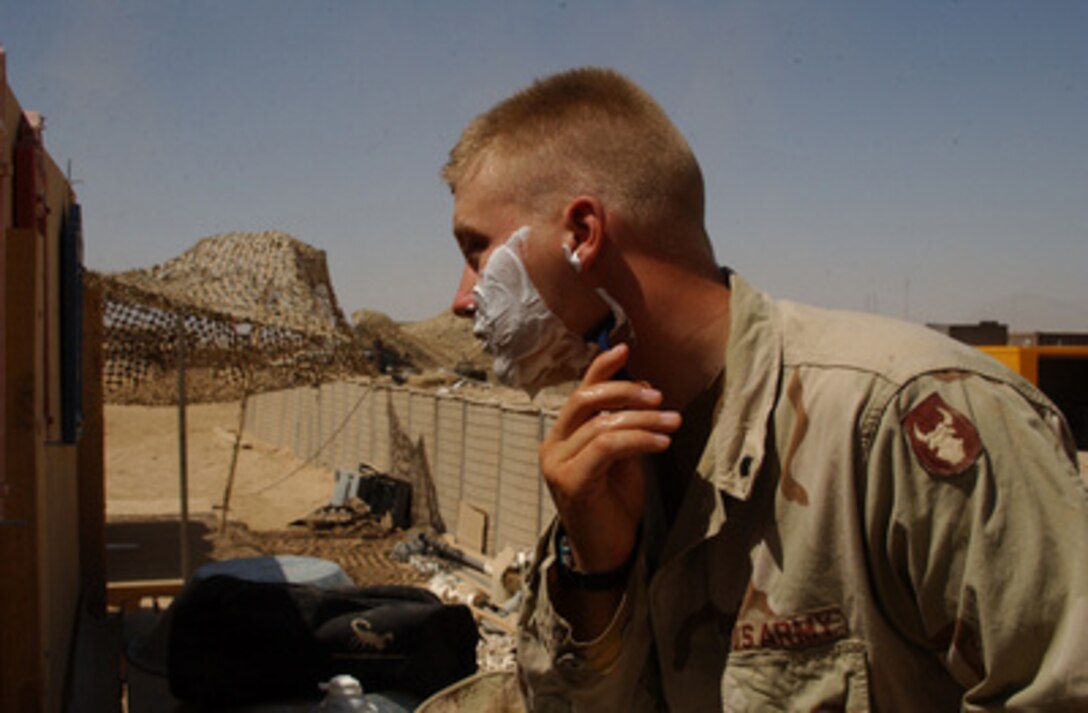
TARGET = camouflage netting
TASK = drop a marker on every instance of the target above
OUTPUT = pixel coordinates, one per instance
(257, 311)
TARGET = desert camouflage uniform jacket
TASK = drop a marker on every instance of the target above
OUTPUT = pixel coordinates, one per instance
(883, 519)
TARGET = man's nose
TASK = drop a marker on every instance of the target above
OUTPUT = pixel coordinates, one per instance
(464, 305)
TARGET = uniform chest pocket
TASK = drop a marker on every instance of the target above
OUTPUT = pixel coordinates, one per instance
(832, 677)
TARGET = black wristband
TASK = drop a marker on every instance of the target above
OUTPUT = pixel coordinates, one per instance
(571, 578)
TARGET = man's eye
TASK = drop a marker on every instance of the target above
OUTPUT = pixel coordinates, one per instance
(473, 253)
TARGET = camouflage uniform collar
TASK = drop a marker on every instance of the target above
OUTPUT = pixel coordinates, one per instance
(753, 359)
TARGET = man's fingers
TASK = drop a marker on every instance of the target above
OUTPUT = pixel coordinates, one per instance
(588, 401)
(606, 423)
(589, 470)
(577, 466)
(606, 364)
(597, 392)
(618, 445)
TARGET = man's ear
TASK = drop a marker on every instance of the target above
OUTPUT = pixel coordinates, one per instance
(584, 221)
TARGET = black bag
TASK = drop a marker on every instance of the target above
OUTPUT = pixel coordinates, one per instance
(234, 641)
(385, 494)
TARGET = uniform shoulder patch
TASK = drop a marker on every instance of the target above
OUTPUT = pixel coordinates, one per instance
(944, 441)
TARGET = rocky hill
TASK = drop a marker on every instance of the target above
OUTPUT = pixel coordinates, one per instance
(444, 342)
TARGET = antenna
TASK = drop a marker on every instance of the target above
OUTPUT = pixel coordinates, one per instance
(71, 181)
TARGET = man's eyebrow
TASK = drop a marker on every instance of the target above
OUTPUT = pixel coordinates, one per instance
(466, 234)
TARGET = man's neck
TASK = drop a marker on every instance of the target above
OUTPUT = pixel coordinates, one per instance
(676, 466)
(681, 330)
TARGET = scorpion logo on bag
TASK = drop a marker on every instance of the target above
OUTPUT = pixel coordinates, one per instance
(367, 638)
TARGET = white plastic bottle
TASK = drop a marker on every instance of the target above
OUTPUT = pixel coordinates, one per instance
(344, 694)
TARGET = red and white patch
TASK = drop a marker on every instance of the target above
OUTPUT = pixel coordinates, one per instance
(942, 438)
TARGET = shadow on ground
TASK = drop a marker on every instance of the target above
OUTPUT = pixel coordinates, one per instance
(139, 548)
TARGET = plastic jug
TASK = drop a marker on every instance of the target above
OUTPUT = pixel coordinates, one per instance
(344, 694)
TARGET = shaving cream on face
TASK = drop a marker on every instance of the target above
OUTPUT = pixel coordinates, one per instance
(531, 345)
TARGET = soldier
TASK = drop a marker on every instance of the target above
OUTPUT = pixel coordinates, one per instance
(761, 505)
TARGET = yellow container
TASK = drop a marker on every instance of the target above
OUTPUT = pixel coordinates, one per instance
(1025, 360)
(1060, 372)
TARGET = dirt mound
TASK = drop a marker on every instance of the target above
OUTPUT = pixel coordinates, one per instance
(450, 339)
(389, 346)
(444, 342)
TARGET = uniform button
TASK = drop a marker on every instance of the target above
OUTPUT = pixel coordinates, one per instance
(746, 466)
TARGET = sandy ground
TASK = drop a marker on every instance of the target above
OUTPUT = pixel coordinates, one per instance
(271, 488)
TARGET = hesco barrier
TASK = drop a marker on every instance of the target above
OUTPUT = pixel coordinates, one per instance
(473, 452)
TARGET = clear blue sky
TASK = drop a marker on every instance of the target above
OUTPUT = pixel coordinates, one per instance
(927, 159)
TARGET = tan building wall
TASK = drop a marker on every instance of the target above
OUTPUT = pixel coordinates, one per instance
(46, 485)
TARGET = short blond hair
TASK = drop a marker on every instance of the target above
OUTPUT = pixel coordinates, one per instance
(586, 131)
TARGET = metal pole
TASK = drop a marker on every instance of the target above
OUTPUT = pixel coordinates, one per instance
(234, 456)
(183, 466)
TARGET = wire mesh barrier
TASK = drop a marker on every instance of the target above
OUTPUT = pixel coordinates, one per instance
(457, 452)
(241, 311)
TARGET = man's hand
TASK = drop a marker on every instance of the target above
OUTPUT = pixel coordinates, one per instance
(591, 461)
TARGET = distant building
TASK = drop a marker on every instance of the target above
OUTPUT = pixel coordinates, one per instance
(1048, 339)
(987, 332)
